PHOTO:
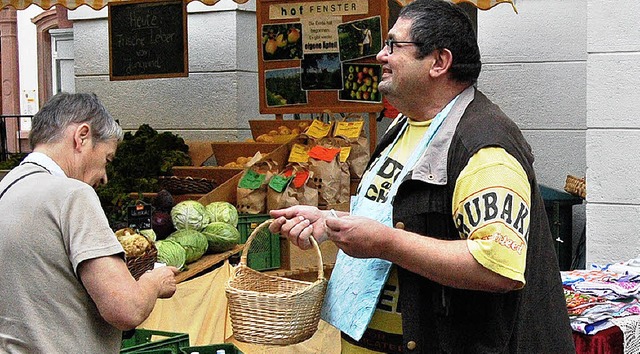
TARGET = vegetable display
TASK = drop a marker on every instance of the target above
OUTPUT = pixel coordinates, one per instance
(194, 243)
(223, 212)
(189, 215)
(134, 244)
(221, 236)
(171, 253)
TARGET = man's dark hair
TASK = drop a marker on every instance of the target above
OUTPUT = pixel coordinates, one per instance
(440, 24)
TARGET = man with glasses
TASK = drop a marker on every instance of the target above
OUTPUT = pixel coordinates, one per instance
(451, 202)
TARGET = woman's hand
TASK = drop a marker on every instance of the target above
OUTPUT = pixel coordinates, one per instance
(300, 222)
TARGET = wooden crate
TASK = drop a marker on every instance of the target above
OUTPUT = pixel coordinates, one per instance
(199, 151)
(226, 152)
(259, 127)
(217, 174)
(227, 191)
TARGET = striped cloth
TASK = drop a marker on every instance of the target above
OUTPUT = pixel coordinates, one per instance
(73, 4)
(487, 4)
(98, 4)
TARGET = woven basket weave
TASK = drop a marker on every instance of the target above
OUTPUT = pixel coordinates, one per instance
(140, 264)
(186, 185)
(267, 309)
(576, 186)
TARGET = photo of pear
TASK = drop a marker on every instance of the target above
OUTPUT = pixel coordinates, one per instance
(282, 41)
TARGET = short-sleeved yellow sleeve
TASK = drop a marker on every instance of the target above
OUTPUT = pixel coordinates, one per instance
(491, 205)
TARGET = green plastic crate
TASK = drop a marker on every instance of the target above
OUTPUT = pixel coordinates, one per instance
(145, 340)
(212, 349)
(264, 251)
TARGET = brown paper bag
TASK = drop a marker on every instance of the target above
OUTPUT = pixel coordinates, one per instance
(327, 171)
(292, 186)
(351, 127)
(252, 187)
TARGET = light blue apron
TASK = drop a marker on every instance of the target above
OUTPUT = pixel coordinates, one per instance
(356, 283)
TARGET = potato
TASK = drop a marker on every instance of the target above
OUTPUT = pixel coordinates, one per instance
(295, 131)
(273, 132)
(284, 130)
(241, 160)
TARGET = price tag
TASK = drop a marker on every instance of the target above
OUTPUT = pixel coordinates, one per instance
(350, 130)
(278, 183)
(344, 153)
(251, 180)
(300, 179)
(319, 129)
(299, 153)
(322, 153)
(139, 216)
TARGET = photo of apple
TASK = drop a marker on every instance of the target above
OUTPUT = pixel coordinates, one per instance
(360, 82)
(282, 41)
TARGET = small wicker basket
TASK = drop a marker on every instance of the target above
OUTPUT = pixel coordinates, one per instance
(576, 186)
(186, 185)
(273, 310)
(140, 264)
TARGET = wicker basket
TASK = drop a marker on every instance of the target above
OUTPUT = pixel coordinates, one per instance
(186, 185)
(267, 309)
(140, 264)
(576, 186)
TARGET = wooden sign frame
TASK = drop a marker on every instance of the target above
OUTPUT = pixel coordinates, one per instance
(274, 16)
(144, 43)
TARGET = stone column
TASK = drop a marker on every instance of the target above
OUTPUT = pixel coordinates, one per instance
(10, 73)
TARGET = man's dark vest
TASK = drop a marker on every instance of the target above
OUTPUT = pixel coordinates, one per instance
(440, 319)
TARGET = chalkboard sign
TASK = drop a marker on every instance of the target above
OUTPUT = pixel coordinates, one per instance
(139, 216)
(147, 39)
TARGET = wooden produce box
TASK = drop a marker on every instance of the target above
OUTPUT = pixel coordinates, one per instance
(199, 151)
(226, 152)
(217, 174)
(227, 191)
(259, 127)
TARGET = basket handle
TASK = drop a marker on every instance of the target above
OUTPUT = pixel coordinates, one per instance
(314, 243)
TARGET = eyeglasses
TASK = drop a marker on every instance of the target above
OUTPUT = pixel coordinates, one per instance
(389, 43)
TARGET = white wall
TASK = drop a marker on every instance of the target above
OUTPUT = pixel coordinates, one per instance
(28, 59)
(217, 99)
(535, 69)
(613, 130)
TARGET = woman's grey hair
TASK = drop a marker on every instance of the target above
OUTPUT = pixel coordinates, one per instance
(65, 109)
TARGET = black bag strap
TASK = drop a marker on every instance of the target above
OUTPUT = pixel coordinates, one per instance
(18, 179)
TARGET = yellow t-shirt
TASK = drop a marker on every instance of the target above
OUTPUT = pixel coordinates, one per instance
(491, 207)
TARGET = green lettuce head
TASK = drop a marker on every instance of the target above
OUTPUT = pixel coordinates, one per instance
(194, 243)
(189, 215)
(171, 253)
(221, 236)
(224, 212)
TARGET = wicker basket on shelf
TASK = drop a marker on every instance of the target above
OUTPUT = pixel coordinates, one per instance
(267, 309)
(186, 185)
(140, 264)
(576, 186)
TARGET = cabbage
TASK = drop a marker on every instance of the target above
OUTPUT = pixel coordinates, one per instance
(171, 253)
(189, 215)
(194, 243)
(149, 234)
(223, 211)
(221, 236)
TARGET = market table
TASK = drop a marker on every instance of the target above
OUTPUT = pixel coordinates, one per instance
(608, 341)
(199, 308)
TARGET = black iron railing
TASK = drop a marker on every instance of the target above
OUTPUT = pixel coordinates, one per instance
(14, 128)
